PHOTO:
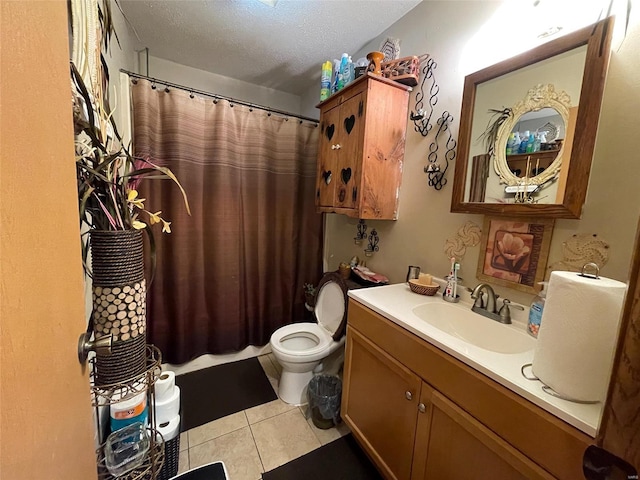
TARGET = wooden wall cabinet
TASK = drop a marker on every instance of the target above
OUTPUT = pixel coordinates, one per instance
(421, 414)
(361, 149)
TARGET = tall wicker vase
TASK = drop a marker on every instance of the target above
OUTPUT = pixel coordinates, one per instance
(119, 303)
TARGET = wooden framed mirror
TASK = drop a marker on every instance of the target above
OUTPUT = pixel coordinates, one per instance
(487, 180)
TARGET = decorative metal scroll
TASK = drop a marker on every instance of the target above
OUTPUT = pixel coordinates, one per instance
(434, 170)
(362, 232)
(373, 243)
(422, 118)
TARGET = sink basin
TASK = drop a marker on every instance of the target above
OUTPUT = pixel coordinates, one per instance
(475, 329)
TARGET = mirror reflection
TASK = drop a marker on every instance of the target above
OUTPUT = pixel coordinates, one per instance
(518, 149)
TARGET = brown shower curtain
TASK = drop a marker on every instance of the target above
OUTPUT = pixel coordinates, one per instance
(231, 273)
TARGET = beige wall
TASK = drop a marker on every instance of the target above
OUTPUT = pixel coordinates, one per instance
(230, 87)
(445, 30)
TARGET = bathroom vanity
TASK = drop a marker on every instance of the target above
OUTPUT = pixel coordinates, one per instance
(427, 400)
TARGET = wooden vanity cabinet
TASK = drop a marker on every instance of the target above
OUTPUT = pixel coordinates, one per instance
(361, 149)
(421, 414)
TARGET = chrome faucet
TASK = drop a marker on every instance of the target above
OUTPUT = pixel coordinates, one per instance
(476, 294)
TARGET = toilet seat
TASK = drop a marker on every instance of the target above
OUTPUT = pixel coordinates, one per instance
(311, 339)
(312, 331)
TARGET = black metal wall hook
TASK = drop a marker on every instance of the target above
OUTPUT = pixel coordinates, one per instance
(421, 117)
(362, 232)
(435, 172)
(373, 241)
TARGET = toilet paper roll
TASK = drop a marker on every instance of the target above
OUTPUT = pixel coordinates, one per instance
(577, 337)
(164, 385)
(169, 429)
(168, 408)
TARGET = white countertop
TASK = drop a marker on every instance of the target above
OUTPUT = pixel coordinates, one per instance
(396, 303)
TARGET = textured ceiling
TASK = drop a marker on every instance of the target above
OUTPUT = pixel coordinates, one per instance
(281, 47)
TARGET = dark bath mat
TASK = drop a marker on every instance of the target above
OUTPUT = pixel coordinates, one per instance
(218, 391)
(212, 471)
(341, 459)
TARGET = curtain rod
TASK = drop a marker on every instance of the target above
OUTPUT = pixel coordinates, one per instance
(221, 97)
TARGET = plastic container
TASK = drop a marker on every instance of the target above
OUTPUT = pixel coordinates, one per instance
(512, 144)
(524, 139)
(343, 72)
(335, 75)
(323, 394)
(325, 81)
(535, 312)
(530, 144)
(126, 449)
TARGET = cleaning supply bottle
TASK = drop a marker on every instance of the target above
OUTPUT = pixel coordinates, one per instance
(523, 143)
(325, 81)
(530, 144)
(334, 77)
(537, 143)
(342, 74)
(512, 144)
(535, 312)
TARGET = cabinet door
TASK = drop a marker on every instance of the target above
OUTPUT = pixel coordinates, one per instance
(327, 175)
(379, 404)
(349, 164)
(452, 445)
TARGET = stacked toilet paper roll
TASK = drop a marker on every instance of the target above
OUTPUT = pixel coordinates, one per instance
(170, 429)
(577, 338)
(167, 399)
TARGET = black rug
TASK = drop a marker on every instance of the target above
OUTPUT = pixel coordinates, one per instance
(216, 392)
(212, 471)
(339, 460)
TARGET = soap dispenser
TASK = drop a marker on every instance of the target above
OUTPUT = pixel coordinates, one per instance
(535, 312)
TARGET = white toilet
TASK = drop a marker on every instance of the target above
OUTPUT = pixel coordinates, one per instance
(300, 347)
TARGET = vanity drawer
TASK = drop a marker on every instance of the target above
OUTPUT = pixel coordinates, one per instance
(547, 440)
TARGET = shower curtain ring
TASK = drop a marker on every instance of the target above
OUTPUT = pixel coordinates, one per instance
(190, 94)
(166, 89)
(153, 86)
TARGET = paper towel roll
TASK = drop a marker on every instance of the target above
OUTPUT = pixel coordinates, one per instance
(128, 411)
(168, 408)
(577, 337)
(164, 385)
(169, 429)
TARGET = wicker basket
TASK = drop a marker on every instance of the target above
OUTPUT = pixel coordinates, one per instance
(404, 70)
(423, 289)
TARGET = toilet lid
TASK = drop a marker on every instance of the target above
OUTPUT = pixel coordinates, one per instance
(331, 305)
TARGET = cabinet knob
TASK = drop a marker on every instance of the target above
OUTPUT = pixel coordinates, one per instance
(336, 147)
(422, 408)
(408, 395)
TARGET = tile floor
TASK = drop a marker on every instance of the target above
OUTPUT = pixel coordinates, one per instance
(258, 439)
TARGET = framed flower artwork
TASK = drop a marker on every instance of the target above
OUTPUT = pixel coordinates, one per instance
(514, 252)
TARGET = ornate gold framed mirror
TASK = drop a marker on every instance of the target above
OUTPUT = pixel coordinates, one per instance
(546, 110)
(549, 98)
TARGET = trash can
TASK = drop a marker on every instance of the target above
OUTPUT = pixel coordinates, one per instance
(324, 393)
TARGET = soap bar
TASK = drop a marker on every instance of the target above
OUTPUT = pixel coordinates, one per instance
(425, 279)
